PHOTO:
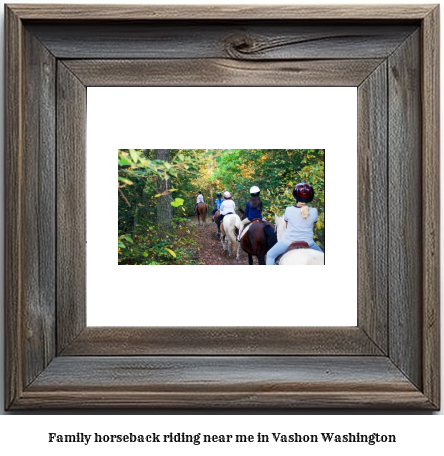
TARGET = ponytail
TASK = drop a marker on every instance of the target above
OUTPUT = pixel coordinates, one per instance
(256, 202)
(305, 211)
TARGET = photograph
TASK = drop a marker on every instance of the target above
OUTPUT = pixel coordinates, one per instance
(221, 206)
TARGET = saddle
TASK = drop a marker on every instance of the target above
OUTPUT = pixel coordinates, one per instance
(293, 246)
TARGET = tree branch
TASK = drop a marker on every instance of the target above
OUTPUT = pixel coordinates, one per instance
(124, 197)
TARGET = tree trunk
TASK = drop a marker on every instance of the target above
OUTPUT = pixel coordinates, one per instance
(138, 193)
(141, 206)
(164, 208)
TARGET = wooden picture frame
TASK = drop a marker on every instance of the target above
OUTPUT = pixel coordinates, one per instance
(390, 360)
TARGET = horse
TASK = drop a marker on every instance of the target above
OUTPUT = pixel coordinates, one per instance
(300, 256)
(259, 239)
(215, 217)
(228, 233)
(201, 211)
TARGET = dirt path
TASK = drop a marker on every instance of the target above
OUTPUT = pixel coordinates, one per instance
(210, 250)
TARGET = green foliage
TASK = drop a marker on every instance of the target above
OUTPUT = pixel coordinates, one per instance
(148, 246)
(177, 202)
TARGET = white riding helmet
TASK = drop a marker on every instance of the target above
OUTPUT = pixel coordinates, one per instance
(227, 195)
(254, 191)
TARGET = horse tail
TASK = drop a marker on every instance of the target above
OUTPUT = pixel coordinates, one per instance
(270, 236)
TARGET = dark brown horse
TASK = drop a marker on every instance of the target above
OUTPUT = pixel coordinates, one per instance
(259, 239)
(201, 211)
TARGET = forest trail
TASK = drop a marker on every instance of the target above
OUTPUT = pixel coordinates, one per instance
(158, 189)
(210, 248)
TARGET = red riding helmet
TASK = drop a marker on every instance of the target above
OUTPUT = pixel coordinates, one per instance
(303, 192)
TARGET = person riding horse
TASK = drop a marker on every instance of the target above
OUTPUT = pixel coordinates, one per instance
(300, 220)
(200, 199)
(217, 203)
(253, 209)
(227, 207)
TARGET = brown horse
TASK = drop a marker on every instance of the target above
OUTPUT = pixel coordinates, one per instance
(201, 211)
(215, 217)
(259, 239)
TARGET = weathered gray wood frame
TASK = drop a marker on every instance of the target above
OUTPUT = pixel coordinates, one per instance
(390, 360)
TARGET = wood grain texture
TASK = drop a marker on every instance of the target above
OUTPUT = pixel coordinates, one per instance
(71, 206)
(39, 207)
(220, 12)
(407, 378)
(373, 207)
(209, 373)
(247, 401)
(404, 209)
(245, 40)
(13, 208)
(221, 72)
(431, 202)
(234, 382)
(126, 341)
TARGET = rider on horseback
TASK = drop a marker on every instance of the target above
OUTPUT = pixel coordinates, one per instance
(200, 199)
(227, 207)
(253, 209)
(300, 221)
(217, 203)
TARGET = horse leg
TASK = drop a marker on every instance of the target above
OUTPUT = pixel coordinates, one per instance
(233, 241)
(227, 246)
(238, 251)
(261, 259)
(250, 259)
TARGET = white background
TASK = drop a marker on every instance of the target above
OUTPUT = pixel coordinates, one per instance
(221, 117)
(20, 434)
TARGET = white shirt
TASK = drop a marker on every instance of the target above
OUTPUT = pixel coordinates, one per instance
(299, 229)
(200, 199)
(227, 206)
